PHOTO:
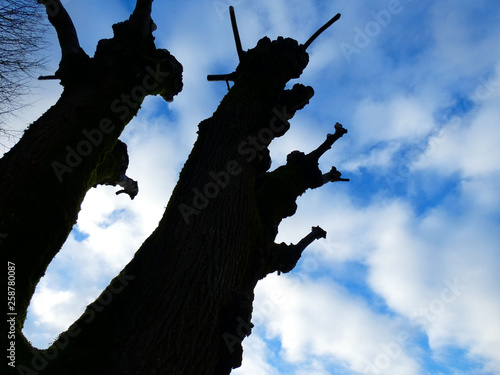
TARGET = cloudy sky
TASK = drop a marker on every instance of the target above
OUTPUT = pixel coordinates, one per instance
(407, 280)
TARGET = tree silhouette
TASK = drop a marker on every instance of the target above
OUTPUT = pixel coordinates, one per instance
(183, 304)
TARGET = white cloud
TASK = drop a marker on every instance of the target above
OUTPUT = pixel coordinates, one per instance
(377, 158)
(440, 272)
(256, 356)
(319, 319)
(52, 310)
(399, 118)
(437, 271)
(315, 368)
(460, 36)
(467, 145)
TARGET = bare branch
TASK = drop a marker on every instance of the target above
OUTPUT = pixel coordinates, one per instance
(141, 17)
(22, 32)
(321, 29)
(66, 32)
(333, 176)
(112, 171)
(278, 190)
(237, 40)
(287, 256)
(330, 140)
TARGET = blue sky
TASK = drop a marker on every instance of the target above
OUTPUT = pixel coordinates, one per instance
(407, 280)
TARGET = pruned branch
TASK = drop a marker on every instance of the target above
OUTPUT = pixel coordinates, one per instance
(129, 186)
(327, 144)
(236, 33)
(287, 256)
(66, 32)
(321, 29)
(333, 176)
(112, 171)
(278, 190)
(141, 18)
(239, 49)
(73, 56)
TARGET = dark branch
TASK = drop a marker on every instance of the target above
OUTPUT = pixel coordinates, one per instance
(239, 49)
(321, 29)
(296, 98)
(129, 186)
(333, 176)
(222, 77)
(287, 256)
(277, 191)
(47, 78)
(316, 234)
(330, 140)
(237, 40)
(141, 18)
(74, 59)
(112, 171)
(66, 32)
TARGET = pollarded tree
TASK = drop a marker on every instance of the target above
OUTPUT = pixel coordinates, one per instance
(183, 304)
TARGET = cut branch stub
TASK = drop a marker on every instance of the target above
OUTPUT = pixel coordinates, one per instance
(242, 54)
(112, 171)
(321, 29)
(239, 49)
(237, 40)
(278, 190)
(74, 59)
(141, 18)
(330, 140)
(287, 256)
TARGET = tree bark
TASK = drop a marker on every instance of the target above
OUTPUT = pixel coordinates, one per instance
(71, 148)
(183, 304)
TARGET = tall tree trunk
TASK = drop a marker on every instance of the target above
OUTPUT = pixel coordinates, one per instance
(74, 146)
(183, 304)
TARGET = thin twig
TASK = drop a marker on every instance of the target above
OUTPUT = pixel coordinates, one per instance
(321, 29)
(236, 34)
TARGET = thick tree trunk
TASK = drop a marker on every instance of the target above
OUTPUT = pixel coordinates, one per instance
(73, 146)
(46, 175)
(189, 289)
(183, 304)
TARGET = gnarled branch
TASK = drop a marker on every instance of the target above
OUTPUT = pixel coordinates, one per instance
(141, 18)
(279, 189)
(327, 144)
(287, 256)
(72, 54)
(60, 19)
(112, 171)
